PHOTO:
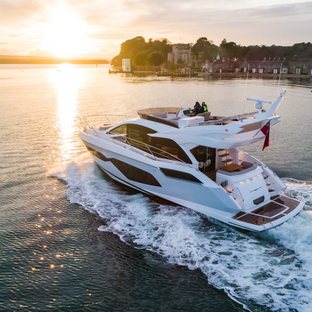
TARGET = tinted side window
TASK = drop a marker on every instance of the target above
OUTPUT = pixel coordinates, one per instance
(139, 133)
(171, 147)
(134, 173)
(119, 130)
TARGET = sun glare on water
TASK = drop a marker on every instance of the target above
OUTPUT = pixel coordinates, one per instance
(67, 80)
(65, 34)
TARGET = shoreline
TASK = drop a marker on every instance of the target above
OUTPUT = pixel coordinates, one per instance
(257, 75)
(216, 75)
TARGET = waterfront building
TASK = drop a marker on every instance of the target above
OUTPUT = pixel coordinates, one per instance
(181, 54)
(265, 66)
(126, 65)
(221, 65)
(301, 67)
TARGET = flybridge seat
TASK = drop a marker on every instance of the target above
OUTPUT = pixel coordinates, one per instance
(161, 114)
(170, 113)
(234, 169)
(174, 116)
(159, 111)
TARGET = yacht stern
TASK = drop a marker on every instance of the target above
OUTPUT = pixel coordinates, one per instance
(277, 211)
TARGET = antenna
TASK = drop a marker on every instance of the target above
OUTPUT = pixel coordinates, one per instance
(259, 103)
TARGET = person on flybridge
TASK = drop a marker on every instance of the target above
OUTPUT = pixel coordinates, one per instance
(204, 107)
(198, 109)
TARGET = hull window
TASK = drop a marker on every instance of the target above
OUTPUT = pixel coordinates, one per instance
(97, 154)
(179, 175)
(134, 173)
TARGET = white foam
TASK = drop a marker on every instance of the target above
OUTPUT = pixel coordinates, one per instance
(270, 270)
(297, 234)
(301, 190)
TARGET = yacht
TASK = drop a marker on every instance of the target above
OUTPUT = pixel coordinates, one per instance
(194, 160)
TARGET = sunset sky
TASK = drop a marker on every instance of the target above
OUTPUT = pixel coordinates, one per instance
(96, 28)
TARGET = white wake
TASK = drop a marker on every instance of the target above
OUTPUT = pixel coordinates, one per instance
(272, 270)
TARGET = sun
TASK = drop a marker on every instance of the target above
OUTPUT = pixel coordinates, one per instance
(64, 35)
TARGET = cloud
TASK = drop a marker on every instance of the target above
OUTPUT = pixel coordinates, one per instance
(19, 11)
(111, 22)
(269, 24)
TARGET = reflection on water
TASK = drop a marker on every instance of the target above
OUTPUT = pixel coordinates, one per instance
(67, 79)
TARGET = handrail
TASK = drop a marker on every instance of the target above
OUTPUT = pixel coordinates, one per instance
(90, 120)
(240, 116)
(108, 114)
(155, 151)
(226, 119)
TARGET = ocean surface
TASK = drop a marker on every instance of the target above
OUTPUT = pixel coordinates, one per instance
(73, 240)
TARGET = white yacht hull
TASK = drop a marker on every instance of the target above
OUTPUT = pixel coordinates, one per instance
(153, 176)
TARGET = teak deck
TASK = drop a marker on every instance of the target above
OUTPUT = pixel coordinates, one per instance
(232, 168)
(279, 207)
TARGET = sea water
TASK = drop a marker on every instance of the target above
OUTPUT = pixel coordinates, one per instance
(72, 239)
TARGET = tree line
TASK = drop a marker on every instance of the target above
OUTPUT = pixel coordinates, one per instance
(154, 52)
(142, 53)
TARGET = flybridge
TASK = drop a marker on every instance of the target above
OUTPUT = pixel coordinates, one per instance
(181, 118)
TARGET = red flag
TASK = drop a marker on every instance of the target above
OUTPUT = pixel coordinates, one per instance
(266, 131)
